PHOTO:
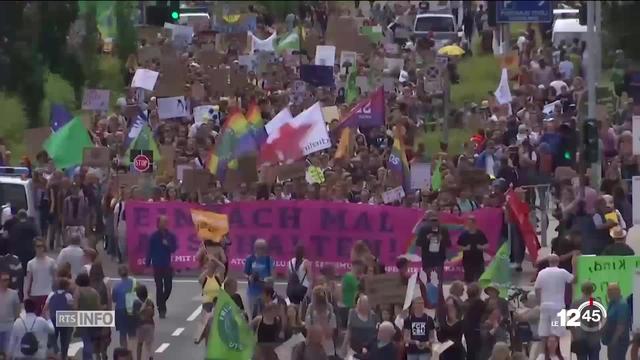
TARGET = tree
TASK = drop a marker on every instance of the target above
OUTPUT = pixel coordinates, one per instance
(125, 31)
(90, 46)
(620, 23)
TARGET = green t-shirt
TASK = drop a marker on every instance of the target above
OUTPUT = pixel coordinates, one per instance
(349, 290)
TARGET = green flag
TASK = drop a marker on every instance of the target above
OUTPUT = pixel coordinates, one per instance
(290, 41)
(230, 337)
(144, 141)
(374, 33)
(436, 177)
(351, 91)
(498, 272)
(66, 145)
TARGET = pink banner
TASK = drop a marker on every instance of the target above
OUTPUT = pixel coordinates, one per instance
(326, 229)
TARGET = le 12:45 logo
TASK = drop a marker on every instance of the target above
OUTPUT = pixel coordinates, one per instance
(590, 316)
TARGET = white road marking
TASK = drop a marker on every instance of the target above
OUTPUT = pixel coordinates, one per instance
(162, 348)
(195, 314)
(177, 332)
(73, 349)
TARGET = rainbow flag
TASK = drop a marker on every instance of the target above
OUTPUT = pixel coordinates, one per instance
(228, 144)
(256, 123)
(398, 163)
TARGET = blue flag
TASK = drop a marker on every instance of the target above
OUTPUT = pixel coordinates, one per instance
(140, 121)
(59, 117)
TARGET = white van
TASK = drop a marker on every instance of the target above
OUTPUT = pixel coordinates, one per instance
(16, 190)
(441, 25)
(567, 30)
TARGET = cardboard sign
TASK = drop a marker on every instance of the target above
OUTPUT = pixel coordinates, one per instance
(393, 195)
(197, 91)
(97, 157)
(171, 81)
(196, 180)
(148, 53)
(130, 180)
(145, 79)
(219, 82)
(95, 100)
(385, 289)
(247, 168)
(172, 107)
(209, 58)
(273, 174)
(151, 35)
(34, 138)
(363, 83)
(330, 113)
(203, 113)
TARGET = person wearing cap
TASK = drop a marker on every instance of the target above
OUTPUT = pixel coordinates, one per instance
(494, 300)
(550, 289)
(473, 243)
(619, 246)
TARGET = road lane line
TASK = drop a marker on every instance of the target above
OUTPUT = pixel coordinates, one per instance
(195, 314)
(162, 348)
(177, 332)
(73, 349)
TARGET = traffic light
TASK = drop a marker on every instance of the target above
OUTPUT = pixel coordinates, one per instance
(590, 141)
(582, 13)
(174, 8)
(568, 145)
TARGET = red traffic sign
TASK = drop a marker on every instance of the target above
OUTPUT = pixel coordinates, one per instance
(141, 163)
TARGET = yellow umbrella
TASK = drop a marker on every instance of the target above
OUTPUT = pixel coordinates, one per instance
(451, 50)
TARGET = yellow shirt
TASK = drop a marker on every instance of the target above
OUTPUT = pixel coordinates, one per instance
(211, 289)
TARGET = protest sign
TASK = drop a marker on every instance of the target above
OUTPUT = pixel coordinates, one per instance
(330, 113)
(348, 60)
(362, 82)
(247, 169)
(250, 62)
(317, 75)
(209, 58)
(203, 113)
(145, 79)
(151, 35)
(241, 23)
(326, 230)
(172, 107)
(393, 195)
(95, 100)
(325, 55)
(195, 180)
(421, 176)
(34, 138)
(385, 289)
(148, 53)
(260, 45)
(210, 225)
(180, 34)
(98, 157)
(197, 91)
(602, 270)
(391, 48)
(393, 64)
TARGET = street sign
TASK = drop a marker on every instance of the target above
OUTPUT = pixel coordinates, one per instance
(524, 11)
(142, 160)
(433, 81)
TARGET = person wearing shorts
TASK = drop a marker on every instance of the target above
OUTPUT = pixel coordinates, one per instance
(550, 285)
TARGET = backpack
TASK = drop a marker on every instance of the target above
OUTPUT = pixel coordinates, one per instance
(130, 297)
(58, 302)
(295, 290)
(29, 343)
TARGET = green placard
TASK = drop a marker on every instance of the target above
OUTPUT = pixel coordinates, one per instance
(601, 270)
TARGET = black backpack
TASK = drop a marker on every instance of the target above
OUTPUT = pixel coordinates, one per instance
(29, 343)
(295, 290)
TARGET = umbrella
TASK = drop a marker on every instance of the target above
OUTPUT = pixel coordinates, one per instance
(451, 50)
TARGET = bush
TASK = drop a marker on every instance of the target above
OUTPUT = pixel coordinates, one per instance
(12, 129)
(111, 70)
(56, 90)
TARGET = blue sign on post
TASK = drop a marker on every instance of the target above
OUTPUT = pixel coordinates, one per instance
(524, 11)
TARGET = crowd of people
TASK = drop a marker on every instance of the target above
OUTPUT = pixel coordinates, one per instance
(81, 214)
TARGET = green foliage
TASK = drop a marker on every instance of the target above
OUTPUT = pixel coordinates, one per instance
(280, 9)
(90, 46)
(457, 137)
(478, 75)
(110, 70)
(620, 20)
(13, 131)
(56, 90)
(125, 30)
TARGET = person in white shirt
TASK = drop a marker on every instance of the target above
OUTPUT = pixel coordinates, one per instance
(120, 225)
(72, 254)
(565, 67)
(29, 322)
(558, 84)
(41, 271)
(550, 289)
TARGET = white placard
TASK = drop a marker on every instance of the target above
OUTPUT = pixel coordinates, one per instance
(635, 121)
(203, 113)
(285, 349)
(363, 83)
(144, 79)
(635, 200)
(411, 288)
(172, 107)
(420, 176)
(249, 61)
(348, 57)
(393, 64)
(95, 100)
(180, 31)
(389, 84)
(393, 195)
(266, 45)
(635, 327)
(325, 55)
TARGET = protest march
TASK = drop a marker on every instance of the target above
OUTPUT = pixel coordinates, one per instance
(320, 180)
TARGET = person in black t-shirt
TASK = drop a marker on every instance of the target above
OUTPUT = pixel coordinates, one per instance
(418, 332)
(473, 242)
(433, 241)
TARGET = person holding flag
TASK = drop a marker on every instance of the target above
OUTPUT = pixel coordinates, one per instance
(230, 337)
(398, 163)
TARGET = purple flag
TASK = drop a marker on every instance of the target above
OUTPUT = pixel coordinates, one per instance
(59, 117)
(367, 113)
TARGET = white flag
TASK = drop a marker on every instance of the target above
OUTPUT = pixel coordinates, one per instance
(503, 93)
